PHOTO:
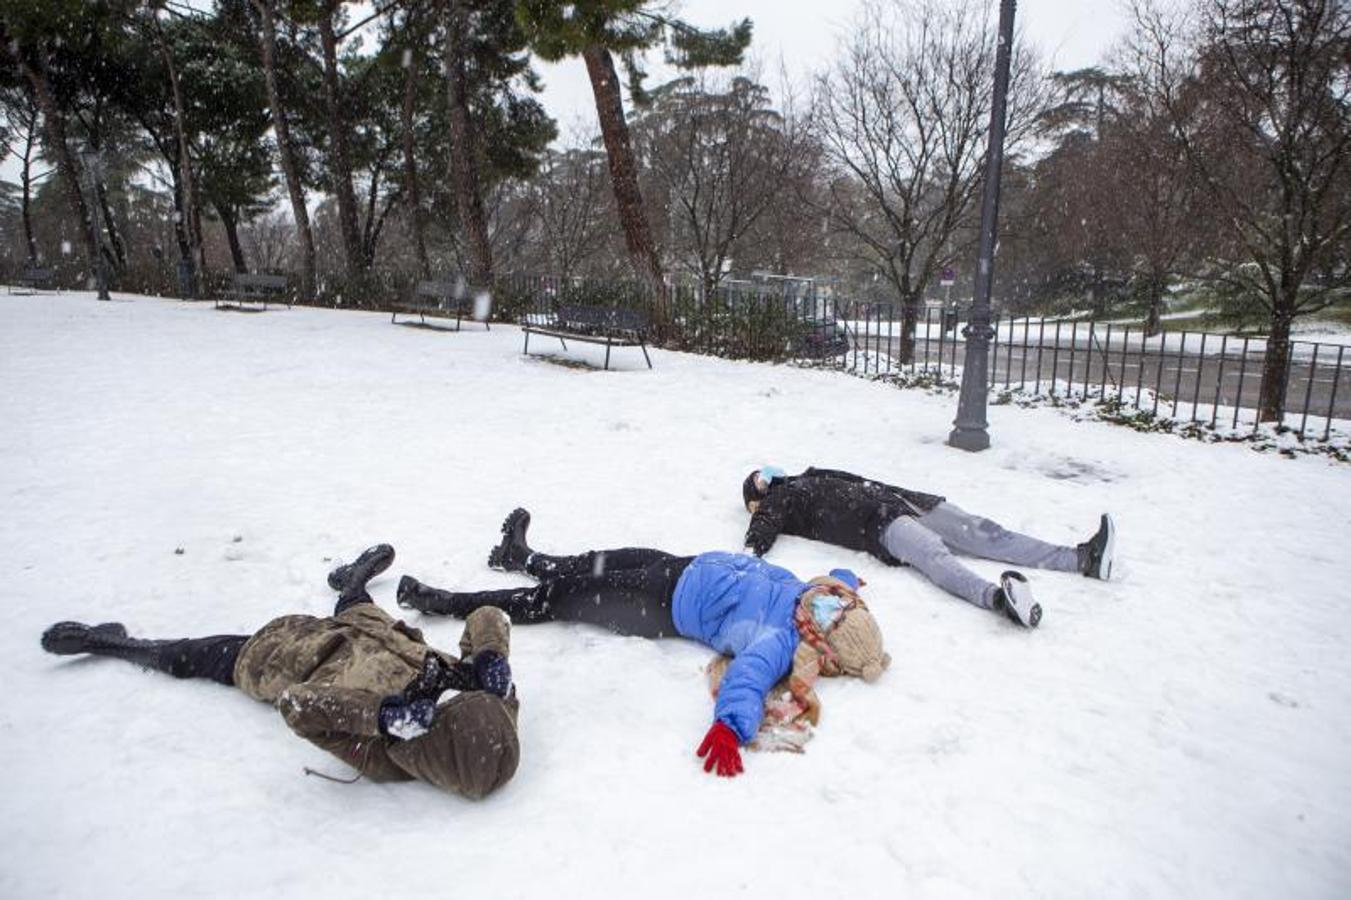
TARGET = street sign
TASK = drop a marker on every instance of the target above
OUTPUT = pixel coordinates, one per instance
(948, 278)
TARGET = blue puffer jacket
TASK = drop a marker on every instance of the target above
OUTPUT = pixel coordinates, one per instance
(742, 607)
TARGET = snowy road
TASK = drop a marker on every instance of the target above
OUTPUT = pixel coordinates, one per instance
(1179, 732)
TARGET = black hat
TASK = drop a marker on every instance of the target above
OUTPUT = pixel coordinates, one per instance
(750, 490)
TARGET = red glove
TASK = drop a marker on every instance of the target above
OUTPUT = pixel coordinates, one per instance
(720, 746)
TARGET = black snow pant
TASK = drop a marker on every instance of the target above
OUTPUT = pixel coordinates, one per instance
(627, 591)
(209, 657)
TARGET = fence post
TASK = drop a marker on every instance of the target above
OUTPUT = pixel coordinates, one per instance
(1308, 390)
(1177, 383)
(1336, 376)
(1200, 365)
(1219, 382)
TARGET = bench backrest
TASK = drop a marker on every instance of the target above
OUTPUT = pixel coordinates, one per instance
(603, 318)
(247, 282)
(35, 274)
(446, 292)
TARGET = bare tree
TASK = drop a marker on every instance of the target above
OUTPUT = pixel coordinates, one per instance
(1259, 96)
(719, 155)
(902, 117)
(570, 203)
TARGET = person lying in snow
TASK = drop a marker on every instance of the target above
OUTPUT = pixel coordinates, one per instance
(773, 624)
(903, 527)
(358, 684)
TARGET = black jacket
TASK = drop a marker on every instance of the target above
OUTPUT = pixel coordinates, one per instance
(833, 507)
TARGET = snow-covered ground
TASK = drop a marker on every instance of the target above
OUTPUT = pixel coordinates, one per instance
(1179, 732)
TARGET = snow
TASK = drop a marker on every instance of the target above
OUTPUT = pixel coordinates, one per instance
(1178, 732)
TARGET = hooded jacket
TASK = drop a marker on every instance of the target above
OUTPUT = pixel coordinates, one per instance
(327, 677)
(741, 607)
(834, 507)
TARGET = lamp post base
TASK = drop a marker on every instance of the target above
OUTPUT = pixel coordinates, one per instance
(970, 439)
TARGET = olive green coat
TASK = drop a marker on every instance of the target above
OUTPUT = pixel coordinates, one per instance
(327, 678)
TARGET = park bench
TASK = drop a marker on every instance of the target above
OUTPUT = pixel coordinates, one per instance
(608, 325)
(249, 289)
(439, 298)
(34, 278)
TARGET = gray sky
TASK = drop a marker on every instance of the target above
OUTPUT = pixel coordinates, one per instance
(804, 33)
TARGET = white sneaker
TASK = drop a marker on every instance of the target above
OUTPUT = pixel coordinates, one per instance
(1017, 601)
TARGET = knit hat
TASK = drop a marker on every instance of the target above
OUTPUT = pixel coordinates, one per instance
(853, 645)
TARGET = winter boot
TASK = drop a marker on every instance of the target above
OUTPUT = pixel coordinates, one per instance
(108, 639)
(512, 551)
(375, 559)
(522, 605)
(1014, 599)
(1097, 553)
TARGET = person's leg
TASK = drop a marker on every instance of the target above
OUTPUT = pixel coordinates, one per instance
(913, 544)
(976, 536)
(593, 562)
(209, 657)
(626, 601)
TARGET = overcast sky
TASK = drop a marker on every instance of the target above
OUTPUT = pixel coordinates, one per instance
(804, 33)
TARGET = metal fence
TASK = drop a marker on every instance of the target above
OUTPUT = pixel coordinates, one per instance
(1190, 376)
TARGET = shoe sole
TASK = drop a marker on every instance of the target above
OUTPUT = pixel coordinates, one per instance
(1018, 596)
(1108, 552)
(496, 554)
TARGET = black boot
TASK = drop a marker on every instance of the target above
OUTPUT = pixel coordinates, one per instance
(522, 605)
(108, 639)
(512, 551)
(350, 580)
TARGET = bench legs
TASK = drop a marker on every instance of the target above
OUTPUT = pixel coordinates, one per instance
(643, 347)
(607, 356)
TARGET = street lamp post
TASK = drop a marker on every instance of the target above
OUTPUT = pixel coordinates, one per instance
(93, 162)
(970, 428)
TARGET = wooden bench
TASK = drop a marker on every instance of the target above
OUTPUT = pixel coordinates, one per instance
(608, 325)
(248, 289)
(439, 298)
(34, 278)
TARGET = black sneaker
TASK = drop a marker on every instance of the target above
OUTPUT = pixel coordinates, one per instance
(1097, 553)
(1015, 600)
(512, 551)
(371, 562)
(69, 638)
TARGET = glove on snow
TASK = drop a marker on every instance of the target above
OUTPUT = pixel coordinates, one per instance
(403, 719)
(720, 746)
(493, 672)
(437, 677)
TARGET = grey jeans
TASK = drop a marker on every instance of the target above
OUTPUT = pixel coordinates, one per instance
(928, 542)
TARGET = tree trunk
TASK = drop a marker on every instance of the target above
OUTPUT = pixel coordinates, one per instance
(285, 149)
(1154, 316)
(339, 165)
(181, 232)
(55, 124)
(184, 160)
(227, 218)
(26, 183)
(464, 149)
(909, 321)
(614, 130)
(412, 194)
(1276, 365)
(119, 254)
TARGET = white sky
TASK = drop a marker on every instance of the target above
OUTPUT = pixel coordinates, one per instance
(804, 33)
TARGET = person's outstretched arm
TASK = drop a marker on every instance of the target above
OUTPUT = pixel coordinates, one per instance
(767, 522)
(741, 700)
